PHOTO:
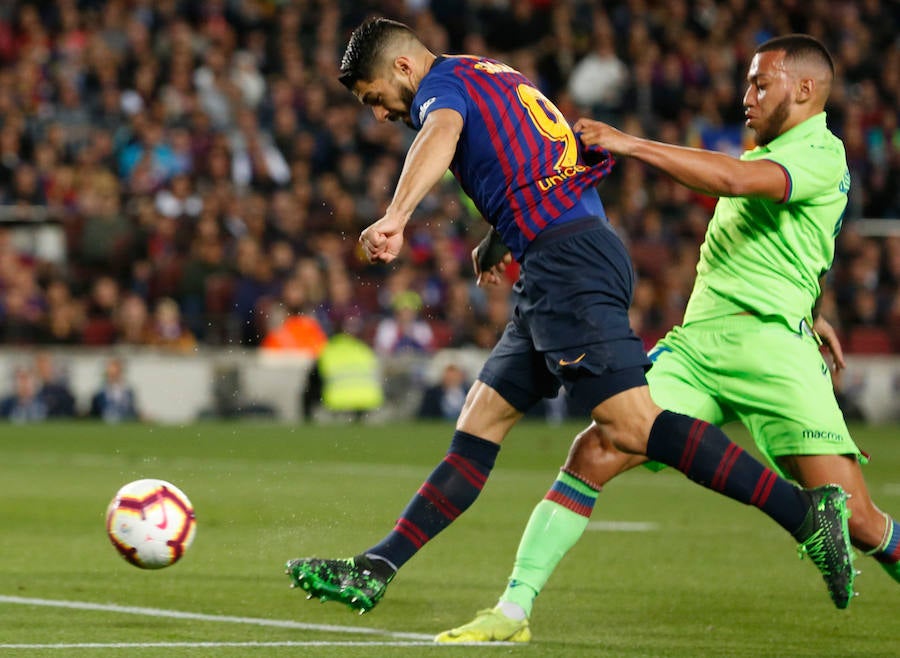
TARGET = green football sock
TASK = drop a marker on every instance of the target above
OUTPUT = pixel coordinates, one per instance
(555, 525)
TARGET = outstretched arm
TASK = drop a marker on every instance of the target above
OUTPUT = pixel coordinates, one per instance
(708, 172)
(428, 158)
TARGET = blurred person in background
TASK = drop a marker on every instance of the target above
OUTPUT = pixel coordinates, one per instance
(346, 376)
(166, 329)
(24, 405)
(292, 321)
(444, 400)
(53, 388)
(404, 331)
(132, 321)
(64, 318)
(105, 240)
(115, 401)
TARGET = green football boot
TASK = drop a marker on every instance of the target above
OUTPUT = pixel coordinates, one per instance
(352, 581)
(825, 538)
(488, 626)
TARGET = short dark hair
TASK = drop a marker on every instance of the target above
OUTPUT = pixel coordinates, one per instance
(365, 48)
(800, 46)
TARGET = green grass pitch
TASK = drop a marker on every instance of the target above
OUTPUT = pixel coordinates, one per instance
(667, 569)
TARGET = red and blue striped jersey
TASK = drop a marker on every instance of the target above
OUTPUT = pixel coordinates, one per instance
(517, 157)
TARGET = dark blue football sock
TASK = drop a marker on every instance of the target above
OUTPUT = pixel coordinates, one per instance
(448, 492)
(703, 453)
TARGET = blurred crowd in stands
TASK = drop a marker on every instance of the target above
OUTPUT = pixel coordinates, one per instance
(41, 391)
(211, 176)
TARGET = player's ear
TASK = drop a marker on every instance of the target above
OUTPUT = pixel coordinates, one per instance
(805, 90)
(403, 65)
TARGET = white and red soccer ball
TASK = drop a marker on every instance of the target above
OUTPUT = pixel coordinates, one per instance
(151, 523)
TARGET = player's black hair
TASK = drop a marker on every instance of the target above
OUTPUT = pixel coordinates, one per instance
(365, 48)
(800, 46)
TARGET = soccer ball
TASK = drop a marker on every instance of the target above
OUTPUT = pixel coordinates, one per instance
(151, 523)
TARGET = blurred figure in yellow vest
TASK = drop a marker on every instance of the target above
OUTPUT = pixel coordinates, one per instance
(346, 377)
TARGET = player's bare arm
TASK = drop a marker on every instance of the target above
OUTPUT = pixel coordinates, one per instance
(427, 160)
(709, 172)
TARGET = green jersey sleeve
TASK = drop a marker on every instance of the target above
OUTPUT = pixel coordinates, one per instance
(812, 170)
(765, 257)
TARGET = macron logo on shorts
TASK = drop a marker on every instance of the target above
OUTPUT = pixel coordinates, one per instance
(823, 435)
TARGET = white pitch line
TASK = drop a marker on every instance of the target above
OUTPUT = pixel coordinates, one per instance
(173, 645)
(177, 614)
(623, 526)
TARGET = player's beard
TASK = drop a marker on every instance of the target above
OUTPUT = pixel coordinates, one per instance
(772, 127)
(406, 97)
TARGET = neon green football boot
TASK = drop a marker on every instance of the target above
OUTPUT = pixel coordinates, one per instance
(352, 581)
(488, 626)
(826, 540)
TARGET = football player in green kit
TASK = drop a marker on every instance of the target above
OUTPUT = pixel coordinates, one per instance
(748, 348)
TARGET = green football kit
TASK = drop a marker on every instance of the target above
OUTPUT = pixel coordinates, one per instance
(746, 350)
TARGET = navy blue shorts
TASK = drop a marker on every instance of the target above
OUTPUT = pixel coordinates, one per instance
(570, 326)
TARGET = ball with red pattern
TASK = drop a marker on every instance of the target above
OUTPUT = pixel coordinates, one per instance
(151, 523)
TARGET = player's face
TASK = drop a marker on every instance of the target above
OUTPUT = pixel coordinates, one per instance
(767, 102)
(390, 100)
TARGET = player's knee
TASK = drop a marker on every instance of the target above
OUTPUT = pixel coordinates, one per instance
(628, 432)
(593, 457)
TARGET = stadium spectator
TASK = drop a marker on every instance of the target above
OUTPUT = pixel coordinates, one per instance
(24, 405)
(64, 318)
(292, 321)
(166, 329)
(178, 199)
(21, 303)
(444, 400)
(53, 389)
(598, 81)
(132, 321)
(256, 160)
(255, 282)
(115, 401)
(405, 330)
(106, 234)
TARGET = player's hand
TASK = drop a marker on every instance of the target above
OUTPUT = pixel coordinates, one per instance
(597, 133)
(383, 240)
(489, 259)
(493, 276)
(830, 340)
